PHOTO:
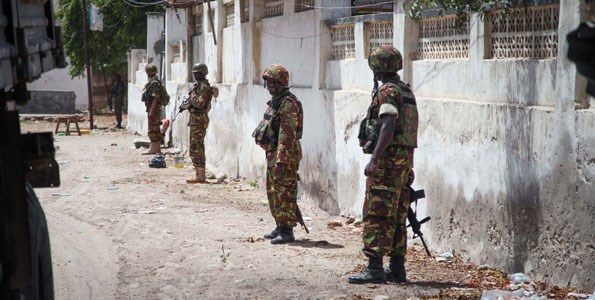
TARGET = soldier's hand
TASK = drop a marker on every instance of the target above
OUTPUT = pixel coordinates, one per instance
(279, 168)
(371, 168)
(411, 177)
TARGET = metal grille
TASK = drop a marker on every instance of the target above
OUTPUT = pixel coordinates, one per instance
(379, 33)
(440, 39)
(343, 42)
(273, 8)
(525, 33)
(303, 5)
(229, 14)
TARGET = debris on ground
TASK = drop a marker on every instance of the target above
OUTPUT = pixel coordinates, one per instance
(444, 257)
(157, 162)
(141, 143)
(334, 224)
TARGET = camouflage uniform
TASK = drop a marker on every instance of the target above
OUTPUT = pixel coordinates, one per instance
(200, 105)
(386, 199)
(287, 115)
(382, 211)
(279, 134)
(154, 91)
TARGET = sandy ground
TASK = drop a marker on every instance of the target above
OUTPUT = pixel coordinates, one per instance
(122, 230)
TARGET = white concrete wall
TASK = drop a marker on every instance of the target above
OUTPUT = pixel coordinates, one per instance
(60, 80)
(176, 37)
(505, 159)
(281, 43)
(155, 26)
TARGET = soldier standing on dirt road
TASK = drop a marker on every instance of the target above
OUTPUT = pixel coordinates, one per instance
(199, 105)
(154, 96)
(389, 133)
(279, 134)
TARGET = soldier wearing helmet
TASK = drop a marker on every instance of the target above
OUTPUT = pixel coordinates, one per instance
(154, 96)
(199, 105)
(279, 134)
(389, 133)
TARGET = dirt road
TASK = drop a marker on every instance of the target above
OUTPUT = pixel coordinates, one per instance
(122, 230)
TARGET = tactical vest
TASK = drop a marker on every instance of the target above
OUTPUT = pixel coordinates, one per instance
(155, 84)
(267, 132)
(408, 119)
(207, 107)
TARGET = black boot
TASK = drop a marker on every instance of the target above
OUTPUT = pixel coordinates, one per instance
(285, 236)
(273, 233)
(396, 269)
(373, 274)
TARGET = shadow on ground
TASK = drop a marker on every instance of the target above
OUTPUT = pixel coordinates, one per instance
(307, 243)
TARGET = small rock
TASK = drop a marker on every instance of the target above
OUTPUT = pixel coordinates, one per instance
(519, 278)
(350, 220)
(381, 297)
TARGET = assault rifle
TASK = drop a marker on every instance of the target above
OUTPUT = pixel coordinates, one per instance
(412, 217)
(298, 214)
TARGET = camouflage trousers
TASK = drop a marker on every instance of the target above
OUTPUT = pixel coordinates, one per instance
(154, 123)
(381, 212)
(198, 129)
(282, 192)
(399, 246)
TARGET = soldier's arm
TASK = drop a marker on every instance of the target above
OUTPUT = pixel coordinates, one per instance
(288, 114)
(201, 97)
(388, 99)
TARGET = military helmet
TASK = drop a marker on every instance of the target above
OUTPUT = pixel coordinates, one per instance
(200, 68)
(277, 73)
(151, 69)
(385, 59)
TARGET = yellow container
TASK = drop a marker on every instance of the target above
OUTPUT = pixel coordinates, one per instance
(179, 162)
(85, 131)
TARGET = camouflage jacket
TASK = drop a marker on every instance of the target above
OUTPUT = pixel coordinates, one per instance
(154, 90)
(281, 128)
(200, 98)
(399, 95)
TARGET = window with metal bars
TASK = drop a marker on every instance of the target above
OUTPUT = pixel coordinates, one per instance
(303, 5)
(378, 34)
(524, 33)
(439, 38)
(342, 42)
(229, 14)
(273, 8)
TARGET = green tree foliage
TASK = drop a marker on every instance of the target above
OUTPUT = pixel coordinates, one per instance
(124, 27)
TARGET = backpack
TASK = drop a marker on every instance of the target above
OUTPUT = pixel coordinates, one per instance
(164, 95)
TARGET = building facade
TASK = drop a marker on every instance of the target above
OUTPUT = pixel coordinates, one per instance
(506, 145)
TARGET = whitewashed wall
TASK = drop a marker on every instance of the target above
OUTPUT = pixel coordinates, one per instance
(505, 159)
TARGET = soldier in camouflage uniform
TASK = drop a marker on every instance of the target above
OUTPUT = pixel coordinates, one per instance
(279, 134)
(154, 96)
(199, 105)
(390, 134)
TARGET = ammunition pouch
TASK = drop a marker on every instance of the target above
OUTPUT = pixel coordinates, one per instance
(369, 131)
(264, 134)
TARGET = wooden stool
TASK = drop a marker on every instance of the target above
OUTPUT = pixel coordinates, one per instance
(67, 120)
